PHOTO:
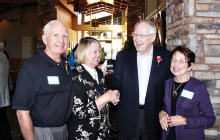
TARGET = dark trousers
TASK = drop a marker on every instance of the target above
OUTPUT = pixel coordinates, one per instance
(141, 129)
(5, 132)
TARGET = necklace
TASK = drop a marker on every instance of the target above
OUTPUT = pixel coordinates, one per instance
(174, 90)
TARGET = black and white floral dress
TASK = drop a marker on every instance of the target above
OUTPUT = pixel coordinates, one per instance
(86, 122)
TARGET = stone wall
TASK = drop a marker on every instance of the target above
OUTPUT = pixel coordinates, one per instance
(196, 25)
(47, 10)
(135, 13)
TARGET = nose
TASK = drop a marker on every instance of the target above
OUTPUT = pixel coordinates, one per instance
(177, 63)
(62, 38)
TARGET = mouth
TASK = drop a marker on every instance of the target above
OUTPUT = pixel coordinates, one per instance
(176, 69)
(60, 46)
(97, 59)
(138, 44)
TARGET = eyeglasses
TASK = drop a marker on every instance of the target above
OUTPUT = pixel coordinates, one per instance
(180, 61)
(141, 35)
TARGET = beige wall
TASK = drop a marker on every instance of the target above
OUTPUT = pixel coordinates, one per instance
(18, 22)
(66, 17)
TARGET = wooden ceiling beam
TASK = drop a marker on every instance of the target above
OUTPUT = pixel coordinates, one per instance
(18, 1)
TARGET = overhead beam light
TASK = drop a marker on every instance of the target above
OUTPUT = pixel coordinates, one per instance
(106, 1)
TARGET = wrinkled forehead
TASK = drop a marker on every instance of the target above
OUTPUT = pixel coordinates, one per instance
(58, 27)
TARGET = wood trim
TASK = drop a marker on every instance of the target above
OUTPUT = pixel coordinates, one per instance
(159, 8)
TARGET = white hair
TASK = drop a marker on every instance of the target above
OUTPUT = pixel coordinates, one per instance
(152, 30)
(47, 26)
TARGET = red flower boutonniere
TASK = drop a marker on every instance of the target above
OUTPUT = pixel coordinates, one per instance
(159, 59)
(66, 67)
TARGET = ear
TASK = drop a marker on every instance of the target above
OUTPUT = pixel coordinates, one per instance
(190, 68)
(44, 38)
(153, 38)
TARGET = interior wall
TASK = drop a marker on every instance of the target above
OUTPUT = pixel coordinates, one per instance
(66, 17)
(151, 6)
(15, 25)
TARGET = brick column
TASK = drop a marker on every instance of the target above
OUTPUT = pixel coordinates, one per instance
(47, 10)
(135, 9)
(196, 25)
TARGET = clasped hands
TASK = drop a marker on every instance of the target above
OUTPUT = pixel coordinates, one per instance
(114, 96)
(166, 120)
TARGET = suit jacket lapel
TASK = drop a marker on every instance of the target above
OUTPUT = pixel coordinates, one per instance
(100, 85)
(180, 98)
(133, 68)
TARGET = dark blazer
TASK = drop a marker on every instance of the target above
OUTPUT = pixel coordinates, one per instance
(125, 79)
(86, 121)
(198, 111)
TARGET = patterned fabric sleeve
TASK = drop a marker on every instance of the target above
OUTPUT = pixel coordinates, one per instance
(84, 99)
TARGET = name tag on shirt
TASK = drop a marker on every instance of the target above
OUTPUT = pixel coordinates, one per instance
(53, 80)
(187, 94)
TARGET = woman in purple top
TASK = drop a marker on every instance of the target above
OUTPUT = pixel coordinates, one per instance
(187, 107)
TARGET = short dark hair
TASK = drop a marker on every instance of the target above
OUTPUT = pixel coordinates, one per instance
(190, 56)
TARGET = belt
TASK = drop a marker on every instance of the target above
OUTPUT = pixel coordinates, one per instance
(141, 106)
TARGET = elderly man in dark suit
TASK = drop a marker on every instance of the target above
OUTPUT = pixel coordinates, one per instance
(139, 74)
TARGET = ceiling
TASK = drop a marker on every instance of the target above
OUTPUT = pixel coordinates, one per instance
(106, 6)
(98, 7)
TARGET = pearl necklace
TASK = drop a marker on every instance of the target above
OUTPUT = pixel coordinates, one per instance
(174, 90)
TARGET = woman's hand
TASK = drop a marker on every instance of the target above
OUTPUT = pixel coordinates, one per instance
(164, 120)
(177, 120)
(109, 96)
(113, 96)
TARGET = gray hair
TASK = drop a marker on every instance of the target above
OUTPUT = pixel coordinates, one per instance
(47, 26)
(152, 30)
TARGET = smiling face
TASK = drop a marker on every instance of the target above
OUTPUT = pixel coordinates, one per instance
(56, 40)
(93, 55)
(143, 40)
(179, 66)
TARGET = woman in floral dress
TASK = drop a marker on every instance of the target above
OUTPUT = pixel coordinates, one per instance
(90, 112)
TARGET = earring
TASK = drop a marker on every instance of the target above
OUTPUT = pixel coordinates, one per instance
(189, 71)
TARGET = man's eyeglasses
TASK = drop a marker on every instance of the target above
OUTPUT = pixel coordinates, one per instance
(141, 35)
(180, 61)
